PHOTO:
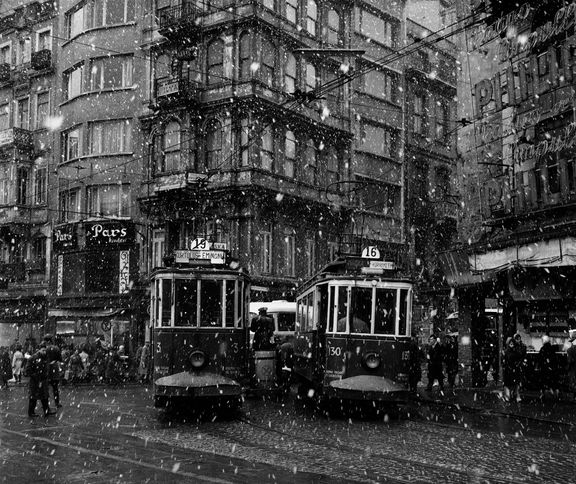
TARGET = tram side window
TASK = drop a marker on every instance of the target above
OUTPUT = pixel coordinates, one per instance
(230, 299)
(385, 317)
(402, 330)
(361, 310)
(342, 309)
(331, 309)
(186, 302)
(211, 303)
(323, 307)
(166, 302)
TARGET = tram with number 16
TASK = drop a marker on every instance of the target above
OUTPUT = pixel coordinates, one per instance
(353, 333)
(200, 329)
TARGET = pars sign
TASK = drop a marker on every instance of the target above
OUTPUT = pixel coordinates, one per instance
(109, 233)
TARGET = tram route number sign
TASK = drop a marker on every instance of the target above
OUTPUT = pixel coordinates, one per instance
(214, 256)
(370, 252)
(203, 244)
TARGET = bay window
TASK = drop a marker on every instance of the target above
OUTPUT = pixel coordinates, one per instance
(108, 137)
(267, 149)
(108, 200)
(73, 85)
(111, 73)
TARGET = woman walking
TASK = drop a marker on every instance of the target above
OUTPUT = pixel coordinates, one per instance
(512, 371)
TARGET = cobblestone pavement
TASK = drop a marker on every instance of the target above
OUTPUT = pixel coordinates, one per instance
(100, 429)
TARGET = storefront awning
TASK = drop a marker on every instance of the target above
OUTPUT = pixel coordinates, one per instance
(456, 268)
(546, 253)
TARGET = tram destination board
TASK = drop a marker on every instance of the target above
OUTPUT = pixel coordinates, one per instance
(200, 256)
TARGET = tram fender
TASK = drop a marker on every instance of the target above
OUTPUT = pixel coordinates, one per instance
(366, 387)
(199, 380)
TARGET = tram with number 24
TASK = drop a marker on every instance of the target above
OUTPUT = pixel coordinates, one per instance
(353, 333)
(200, 318)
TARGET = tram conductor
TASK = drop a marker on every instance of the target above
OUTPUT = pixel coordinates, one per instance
(263, 328)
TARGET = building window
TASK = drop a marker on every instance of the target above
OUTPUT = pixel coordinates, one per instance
(377, 196)
(379, 84)
(4, 190)
(215, 59)
(311, 17)
(214, 145)
(292, 11)
(377, 140)
(22, 178)
(110, 137)
(73, 85)
(108, 200)
(418, 115)
(290, 154)
(71, 144)
(290, 73)
(441, 121)
(158, 244)
(243, 139)
(111, 73)
(23, 51)
(266, 251)
(271, 4)
(69, 204)
(332, 168)
(245, 56)
(99, 13)
(310, 161)
(44, 40)
(310, 257)
(169, 152)
(40, 185)
(290, 253)
(6, 54)
(4, 116)
(268, 66)
(267, 149)
(334, 31)
(22, 114)
(442, 189)
(42, 109)
(311, 77)
(39, 249)
(377, 28)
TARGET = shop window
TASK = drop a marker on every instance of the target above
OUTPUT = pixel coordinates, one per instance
(110, 137)
(215, 60)
(108, 200)
(111, 73)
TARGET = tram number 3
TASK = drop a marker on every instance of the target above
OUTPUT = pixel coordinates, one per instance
(335, 351)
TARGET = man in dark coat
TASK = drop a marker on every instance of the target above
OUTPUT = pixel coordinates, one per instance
(414, 365)
(451, 358)
(54, 367)
(5, 367)
(38, 385)
(435, 359)
(548, 367)
(263, 328)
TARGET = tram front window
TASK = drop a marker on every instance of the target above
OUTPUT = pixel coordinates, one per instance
(186, 302)
(385, 311)
(361, 310)
(211, 303)
(166, 301)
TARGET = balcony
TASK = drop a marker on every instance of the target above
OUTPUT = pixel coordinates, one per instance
(41, 60)
(17, 138)
(179, 22)
(174, 92)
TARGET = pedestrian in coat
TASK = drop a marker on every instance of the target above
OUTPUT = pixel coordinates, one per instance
(17, 363)
(5, 367)
(263, 328)
(144, 363)
(548, 368)
(38, 383)
(54, 368)
(76, 369)
(513, 360)
(435, 359)
(571, 361)
(414, 365)
(451, 359)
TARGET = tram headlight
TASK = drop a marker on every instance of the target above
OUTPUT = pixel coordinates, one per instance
(197, 359)
(371, 360)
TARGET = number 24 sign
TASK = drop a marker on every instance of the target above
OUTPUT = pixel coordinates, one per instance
(371, 252)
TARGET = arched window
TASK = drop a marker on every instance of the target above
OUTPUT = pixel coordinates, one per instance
(310, 160)
(170, 150)
(311, 17)
(215, 60)
(245, 57)
(268, 62)
(333, 30)
(311, 79)
(290, 153)
(213, 145)
(290, 73)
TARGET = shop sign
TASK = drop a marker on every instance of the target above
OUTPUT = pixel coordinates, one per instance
(60, 276)
(100, 234)
(124, 274)
(64, 238)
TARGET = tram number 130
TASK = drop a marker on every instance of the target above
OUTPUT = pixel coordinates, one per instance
(334, 351)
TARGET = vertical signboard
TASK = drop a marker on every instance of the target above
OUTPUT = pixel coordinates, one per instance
(124, 273)
(60, 275)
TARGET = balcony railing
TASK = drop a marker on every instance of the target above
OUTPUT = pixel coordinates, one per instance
(179, 20)
(41, 59)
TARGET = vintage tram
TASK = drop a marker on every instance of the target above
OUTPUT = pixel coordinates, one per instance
(199, 330)
(353, 333)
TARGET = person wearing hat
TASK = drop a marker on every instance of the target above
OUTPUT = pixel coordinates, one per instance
(54, 367)
(263, 328)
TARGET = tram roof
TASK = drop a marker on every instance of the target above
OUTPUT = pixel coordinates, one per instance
(351, 267)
